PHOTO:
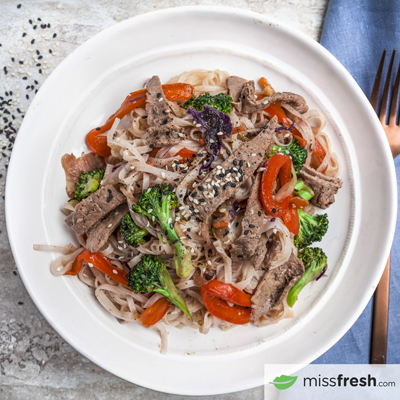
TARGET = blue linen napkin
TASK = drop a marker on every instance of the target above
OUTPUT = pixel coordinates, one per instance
(356, 32)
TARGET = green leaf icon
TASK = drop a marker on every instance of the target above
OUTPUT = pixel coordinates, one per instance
(284, 382)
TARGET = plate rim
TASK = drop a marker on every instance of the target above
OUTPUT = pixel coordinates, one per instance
(302, 37)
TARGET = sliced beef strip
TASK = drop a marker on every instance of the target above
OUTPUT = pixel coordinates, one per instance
(74, 166)
(274, 286)
(248, 103)
(162, 130)
(235, 85)
(324, 187)
(94, 208)
(99, 233)
(245, 245)
(258, 257)
(219, 186)
(274, 247)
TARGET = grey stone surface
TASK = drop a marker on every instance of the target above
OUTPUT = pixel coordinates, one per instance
(35, 362)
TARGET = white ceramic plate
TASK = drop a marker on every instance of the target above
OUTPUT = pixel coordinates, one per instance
(90, 84)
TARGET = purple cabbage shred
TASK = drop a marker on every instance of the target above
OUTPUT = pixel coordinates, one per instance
(212, 122)
(322, 273)
(282, 128)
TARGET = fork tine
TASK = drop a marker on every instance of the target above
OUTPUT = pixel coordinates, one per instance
(377, 83)
(394, 106)
(382, 113)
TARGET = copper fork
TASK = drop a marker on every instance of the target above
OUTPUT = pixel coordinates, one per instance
(387, 112)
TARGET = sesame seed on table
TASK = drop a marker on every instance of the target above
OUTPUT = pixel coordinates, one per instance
(35, 36)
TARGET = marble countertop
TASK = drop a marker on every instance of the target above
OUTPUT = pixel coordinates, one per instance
(35, 36)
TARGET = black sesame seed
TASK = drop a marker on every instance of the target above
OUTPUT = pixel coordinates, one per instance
(50, 51)
(19, 5)
(37, 52)
(30, 21)
(144, 116)
(175, 241)
(20, 62)
(20, 303)
(176, 180)
(200, 188)
(40, 57)
(158, 95)
(235, 163)
(251, 226)
(240, 163)
(200, 154)
(32, 41)
(228, 152)
(224, 187)
(98, 129)
(184, 172)
(35, 27)
(202, 200)
(274, 210)
(27, 97)
(188, 236)
(226, 232)
(259, 213)
(194, 194)
(25, 78)
(246, 232)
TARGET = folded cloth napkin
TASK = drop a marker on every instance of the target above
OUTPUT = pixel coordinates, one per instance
(356, 32)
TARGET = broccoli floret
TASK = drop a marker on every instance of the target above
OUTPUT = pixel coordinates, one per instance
(220, 102)
(304, 191)
(150, 275)
(88, 183)
(316, 263)
(294, 151)
(312, 229)
(132, 233)
(157, 201)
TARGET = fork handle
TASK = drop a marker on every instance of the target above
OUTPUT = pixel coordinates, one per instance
(380, 319)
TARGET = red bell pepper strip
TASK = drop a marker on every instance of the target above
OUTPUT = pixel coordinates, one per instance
(102, 264)
(276, 109)
(220, 309)
(228, 292)
(155, 312)
(277, 164)
(98, 144)
(298, 202)
(291, 219)
(320, 153)
(185, 154)
(221, 224)
(76, 266)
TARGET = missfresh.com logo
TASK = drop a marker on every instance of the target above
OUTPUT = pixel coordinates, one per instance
(332, 381)
(345, 381)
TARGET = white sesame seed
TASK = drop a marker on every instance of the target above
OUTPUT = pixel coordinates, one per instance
(248, 164)
(275, 230)
(150, 210)
(253, 154)
(219, 133)
(237, 179)
(167, 111)
(120, 248)
(212, 141)
(160, 99)
(163, 174)
(115, 272)
(209, 262)
(195, 201)
(198, 125)
(169, 220)
(109, 226)
(222, 210)
(266, 101)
